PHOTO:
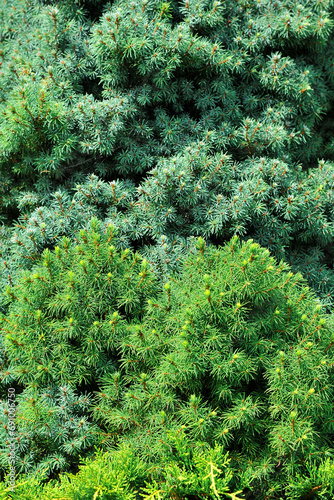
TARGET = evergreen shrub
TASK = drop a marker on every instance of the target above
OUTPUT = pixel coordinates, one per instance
(234, 353)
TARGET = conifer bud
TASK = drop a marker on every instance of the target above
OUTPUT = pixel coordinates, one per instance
(46, 261)
(144, 264)
(193, 399)
(125, 253)
(201, 245)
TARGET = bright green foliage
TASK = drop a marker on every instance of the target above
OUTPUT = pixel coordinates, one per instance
(234, 349)
(236, 335)
(121, 475)
(64, 313)
(319, 481)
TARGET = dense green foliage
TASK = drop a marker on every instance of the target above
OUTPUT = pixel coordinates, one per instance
(236, 95)
(120, 474)
(234, 351)
(129, 132)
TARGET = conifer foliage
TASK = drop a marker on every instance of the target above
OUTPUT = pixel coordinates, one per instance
(166, 248)
(123, 90)
(72, 326)
(234, 352)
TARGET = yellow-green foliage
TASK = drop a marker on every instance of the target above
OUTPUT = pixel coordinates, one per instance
(121, 475)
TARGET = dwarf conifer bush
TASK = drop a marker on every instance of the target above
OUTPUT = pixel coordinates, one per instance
(234, 352)
(72, 325)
